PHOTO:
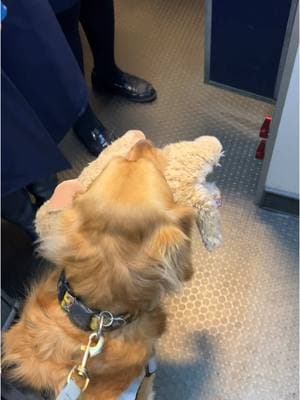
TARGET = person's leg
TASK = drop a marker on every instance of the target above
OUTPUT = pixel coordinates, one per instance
(17, 208)
(98, 22)
(69, 23)
(89, 130)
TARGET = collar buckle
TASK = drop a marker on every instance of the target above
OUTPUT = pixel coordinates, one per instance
(107, 318)
(102, 321)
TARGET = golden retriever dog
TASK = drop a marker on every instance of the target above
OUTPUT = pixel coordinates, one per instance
(123, 245)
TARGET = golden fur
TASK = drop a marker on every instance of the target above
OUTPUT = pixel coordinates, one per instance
(124, 244)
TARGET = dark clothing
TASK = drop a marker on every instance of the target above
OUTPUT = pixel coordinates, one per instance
(62, 5)
(18, 209)
(28, 151)
(43, 93)
(39, 62)
(69, 23)
(98, 22)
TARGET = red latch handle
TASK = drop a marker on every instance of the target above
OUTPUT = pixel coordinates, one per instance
(265, 128)
(260, 151)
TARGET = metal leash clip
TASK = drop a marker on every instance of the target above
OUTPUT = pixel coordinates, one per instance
(81, 370)
(72, 390)
(92, 350)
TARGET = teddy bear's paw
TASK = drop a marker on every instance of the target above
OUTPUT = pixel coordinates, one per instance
(209, 225)
(214, 193)
(212, 243)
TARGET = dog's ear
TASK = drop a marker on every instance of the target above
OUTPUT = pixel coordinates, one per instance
(171, 247)
(63, 239)
(49, 217)
(169, 259)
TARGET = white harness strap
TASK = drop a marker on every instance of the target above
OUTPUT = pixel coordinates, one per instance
(132, 391)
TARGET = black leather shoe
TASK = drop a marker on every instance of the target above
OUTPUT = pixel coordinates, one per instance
(91, 132)
(95, 141)
(129, 86)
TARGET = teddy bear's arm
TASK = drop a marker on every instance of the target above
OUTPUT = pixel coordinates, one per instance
(188, 164)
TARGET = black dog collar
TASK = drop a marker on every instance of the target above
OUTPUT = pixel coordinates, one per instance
(82, 316)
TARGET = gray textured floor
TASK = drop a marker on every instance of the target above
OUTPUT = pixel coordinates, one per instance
(233, 333)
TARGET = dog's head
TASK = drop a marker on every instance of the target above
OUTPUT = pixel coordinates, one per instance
(125, 241)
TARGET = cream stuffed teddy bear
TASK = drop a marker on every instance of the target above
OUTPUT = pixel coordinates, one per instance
(187, 165)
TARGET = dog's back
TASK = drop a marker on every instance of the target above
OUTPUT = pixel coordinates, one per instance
(123, 245)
